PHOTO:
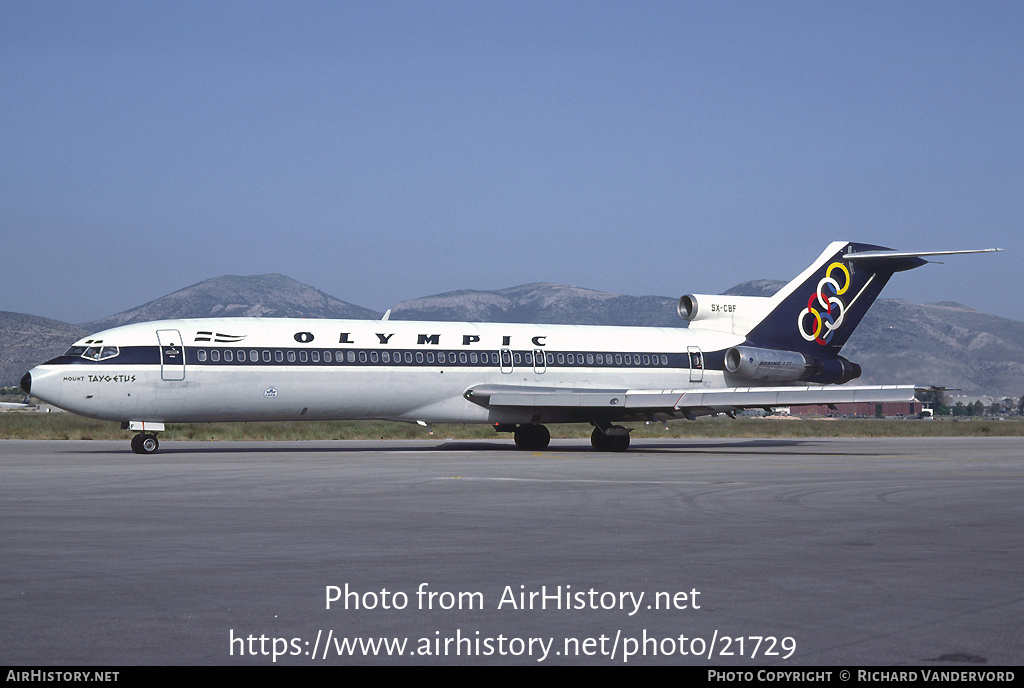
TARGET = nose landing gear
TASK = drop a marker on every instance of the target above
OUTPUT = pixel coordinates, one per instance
(145, 443)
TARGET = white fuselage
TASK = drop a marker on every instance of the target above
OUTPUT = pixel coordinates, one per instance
(247, 369)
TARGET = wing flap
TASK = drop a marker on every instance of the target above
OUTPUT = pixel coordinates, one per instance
(794, 396)
(546, 397)
(677, 399)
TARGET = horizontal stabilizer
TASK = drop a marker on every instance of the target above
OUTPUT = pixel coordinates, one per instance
(854, 256)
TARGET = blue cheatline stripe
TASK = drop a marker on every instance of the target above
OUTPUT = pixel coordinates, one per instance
(402, 358)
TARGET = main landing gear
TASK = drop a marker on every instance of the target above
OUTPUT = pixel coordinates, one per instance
(613, 438)
(535, 437)
(532, 437)
(145, 443)
(528, 436)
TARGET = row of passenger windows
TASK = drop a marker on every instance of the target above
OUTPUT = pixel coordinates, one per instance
(427, 357)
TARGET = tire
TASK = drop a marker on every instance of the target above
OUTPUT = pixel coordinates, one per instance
(532, 437)
(145, 444)
(609, 443)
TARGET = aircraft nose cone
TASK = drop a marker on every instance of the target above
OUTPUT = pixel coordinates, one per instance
(26, 383)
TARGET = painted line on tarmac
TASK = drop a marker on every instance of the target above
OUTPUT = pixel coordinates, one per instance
(583, 480)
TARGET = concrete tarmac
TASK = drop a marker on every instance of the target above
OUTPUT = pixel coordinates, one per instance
(784, 552)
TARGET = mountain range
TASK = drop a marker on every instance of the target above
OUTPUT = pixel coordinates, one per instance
(945, 344)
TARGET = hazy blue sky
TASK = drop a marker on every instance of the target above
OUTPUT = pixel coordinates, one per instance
(381, 151)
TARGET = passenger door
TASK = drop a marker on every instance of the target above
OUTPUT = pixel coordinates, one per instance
(696, 363)
(172, 355)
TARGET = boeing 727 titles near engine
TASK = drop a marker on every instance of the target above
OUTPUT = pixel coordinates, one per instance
(738, 352)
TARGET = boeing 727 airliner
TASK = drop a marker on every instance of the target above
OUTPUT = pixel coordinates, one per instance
(738, 352)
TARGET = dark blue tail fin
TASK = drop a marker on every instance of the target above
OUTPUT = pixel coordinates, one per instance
(818, 311)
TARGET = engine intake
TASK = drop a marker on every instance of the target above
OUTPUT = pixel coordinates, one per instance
(687, 307)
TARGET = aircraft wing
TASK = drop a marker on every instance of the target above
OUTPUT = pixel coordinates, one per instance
(681, 400)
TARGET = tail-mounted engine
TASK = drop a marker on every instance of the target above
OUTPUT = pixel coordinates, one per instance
(773, 365)
(733, 314)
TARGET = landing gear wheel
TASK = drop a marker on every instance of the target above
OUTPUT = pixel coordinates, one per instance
(145, 444)
(610, 443)
(532, 437)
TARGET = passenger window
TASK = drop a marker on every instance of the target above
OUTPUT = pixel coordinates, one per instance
(201, 355)
(303, 356)
(314, 356)
(215, 355)
(279, 356)
(291, 357)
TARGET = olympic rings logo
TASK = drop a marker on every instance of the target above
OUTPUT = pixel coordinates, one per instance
(818, 326)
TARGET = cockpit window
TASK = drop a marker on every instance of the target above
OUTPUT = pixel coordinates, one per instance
(75, 351)
(98, 353)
